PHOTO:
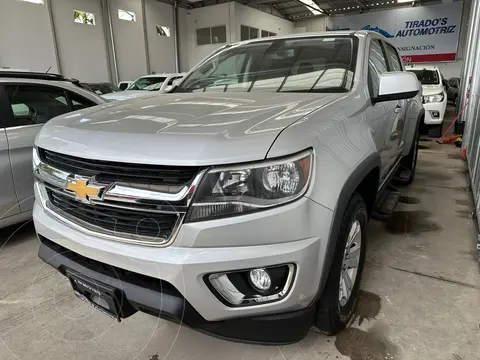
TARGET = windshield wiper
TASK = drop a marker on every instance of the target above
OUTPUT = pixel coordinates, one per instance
(336, 89)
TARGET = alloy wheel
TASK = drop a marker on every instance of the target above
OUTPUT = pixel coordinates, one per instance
(351, 260)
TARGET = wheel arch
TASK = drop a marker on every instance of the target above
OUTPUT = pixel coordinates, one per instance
(362, 174)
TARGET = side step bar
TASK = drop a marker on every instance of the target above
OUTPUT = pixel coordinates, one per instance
(386, 204)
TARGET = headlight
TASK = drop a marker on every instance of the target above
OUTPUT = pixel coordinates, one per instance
(433, 98)
(236, 190)
(35, 158)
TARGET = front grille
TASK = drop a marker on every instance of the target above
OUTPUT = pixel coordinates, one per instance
(158, 227)
(109, 171)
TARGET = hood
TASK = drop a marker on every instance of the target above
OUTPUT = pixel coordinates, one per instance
(127, 94)
(180, 129)
(432, 89)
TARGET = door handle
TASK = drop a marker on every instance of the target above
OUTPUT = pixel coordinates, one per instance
(397, 109)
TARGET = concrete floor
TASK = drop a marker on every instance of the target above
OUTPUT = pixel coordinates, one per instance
(420, 293)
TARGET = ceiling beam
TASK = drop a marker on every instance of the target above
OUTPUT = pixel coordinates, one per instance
(320, 6)
(260, 2)
(284, 15)
(362, 4)
(299, 13)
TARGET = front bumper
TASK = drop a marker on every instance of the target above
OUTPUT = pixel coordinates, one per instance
(431, 108)
(294, 233)
(161, 299)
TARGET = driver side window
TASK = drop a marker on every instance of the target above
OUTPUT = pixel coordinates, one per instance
(32, 105)
(377, 65)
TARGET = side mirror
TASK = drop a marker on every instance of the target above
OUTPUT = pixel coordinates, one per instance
(169, 88)
(176, 82)
(398, 85)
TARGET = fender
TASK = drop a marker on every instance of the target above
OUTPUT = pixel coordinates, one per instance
(352, 183)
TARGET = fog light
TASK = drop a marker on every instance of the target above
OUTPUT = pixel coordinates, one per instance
(260, 279)
(252, 286)
(435, 114)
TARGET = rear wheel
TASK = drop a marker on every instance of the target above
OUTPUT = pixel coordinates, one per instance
(339, 297)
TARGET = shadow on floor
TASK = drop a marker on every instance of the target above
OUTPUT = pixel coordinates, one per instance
(17, 233)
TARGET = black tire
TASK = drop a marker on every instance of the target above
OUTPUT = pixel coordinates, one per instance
(331, 317)
(409, 162)
(435, 131)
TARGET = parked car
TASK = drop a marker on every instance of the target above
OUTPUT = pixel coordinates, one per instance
(144, 84)
(27, 101)
(452, 89)
(100, 88)
(434, 96)
(237, 204)
(123, 85)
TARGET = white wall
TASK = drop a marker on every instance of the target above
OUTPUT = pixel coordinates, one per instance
(311, 25)
(230, 14)
(183, 39)
(245, 15)
(161, 48)
(208, 16)
(129, 40)
(82, 48)
(26, 37)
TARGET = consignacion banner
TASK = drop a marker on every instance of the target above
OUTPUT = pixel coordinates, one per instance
(421, 34)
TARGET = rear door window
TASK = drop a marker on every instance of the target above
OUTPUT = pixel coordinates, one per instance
(32, 105)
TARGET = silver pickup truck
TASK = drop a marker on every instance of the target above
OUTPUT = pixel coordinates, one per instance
(237, 204)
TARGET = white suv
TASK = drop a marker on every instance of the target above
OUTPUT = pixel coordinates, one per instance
(144, 86)
(434, 96)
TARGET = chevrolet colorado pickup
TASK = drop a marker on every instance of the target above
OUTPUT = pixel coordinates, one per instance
(237, 203)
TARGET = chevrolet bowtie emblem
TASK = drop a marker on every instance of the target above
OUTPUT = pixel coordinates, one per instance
(83, 190)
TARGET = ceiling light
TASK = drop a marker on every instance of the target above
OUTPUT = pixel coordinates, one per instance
(313, 7)
(404, 1)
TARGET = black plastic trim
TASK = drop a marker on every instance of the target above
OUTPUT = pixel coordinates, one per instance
(396, 96)
(355, 179)
(165, 301)
(35, 75)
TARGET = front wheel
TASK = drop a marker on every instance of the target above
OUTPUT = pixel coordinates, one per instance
(336, 305)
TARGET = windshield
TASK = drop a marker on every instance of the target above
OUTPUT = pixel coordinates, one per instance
(101, 89)
(314, 64)
(148, 83)
(427, 77)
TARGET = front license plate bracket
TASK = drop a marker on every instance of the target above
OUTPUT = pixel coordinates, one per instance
(103, 298)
